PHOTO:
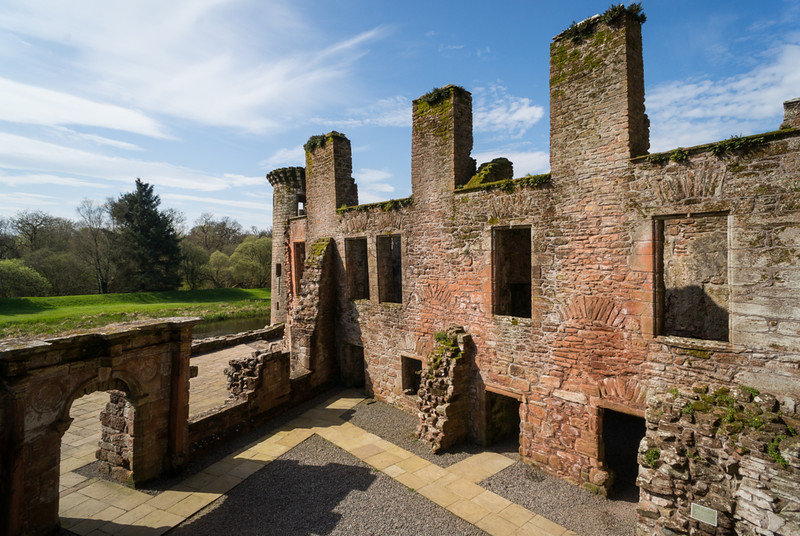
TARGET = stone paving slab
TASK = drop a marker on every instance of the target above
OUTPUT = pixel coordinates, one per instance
(96, 507)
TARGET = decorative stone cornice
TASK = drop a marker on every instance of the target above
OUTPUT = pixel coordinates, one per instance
(291, 176)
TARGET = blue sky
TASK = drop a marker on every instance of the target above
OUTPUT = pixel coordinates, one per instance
(202, 98)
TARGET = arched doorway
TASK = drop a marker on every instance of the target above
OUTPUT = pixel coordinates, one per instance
(40, 380)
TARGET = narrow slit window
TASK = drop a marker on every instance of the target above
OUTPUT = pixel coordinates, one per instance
(390, 269)
(298, 262)
(511, 260)
(357, 268)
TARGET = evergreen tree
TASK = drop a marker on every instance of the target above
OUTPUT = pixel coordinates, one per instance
(149, 255)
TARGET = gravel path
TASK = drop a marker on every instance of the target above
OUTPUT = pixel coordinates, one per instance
(563, 503)
(318, 488)
(398, 427)
(555, 499)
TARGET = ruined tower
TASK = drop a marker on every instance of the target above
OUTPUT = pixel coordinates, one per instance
(288, 194)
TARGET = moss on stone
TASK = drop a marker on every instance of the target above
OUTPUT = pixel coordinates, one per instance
(320, 140)
(317, 251)
(528, 181)
(383, 206)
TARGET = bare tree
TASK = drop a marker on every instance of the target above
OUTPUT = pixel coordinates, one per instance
(96, 241)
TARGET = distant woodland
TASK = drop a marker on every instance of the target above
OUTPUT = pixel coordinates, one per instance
(128, 244)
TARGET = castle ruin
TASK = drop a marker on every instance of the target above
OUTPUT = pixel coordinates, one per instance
(629, 318)
(625, 315)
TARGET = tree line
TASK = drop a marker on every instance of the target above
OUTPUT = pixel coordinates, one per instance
(128, 244)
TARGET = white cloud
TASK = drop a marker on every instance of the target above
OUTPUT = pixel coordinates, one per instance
(702, 111)
(368, 175)
(24, 103)
(248, 65)
(18, 152)
(525, 162)
(294, 156)
(495, 110)
(389, 112)
(30, 179)
(372, 185)
(70, 134)
(13, 202)
(217, 201)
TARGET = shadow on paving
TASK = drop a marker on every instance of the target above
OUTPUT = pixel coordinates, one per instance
(318, 488)
(286, 497)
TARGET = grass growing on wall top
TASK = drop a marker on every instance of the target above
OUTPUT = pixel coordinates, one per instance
(54, 315)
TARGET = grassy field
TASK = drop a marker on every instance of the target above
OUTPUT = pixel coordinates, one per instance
(54, 315)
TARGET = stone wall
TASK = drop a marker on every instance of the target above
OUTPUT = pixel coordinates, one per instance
(115, 451)
(719, 461)
(443, 406)
(616, 238)
(39, 380)
(211, 344)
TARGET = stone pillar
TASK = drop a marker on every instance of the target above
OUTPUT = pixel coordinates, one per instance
(444, 392)
(597, 95)
(288, 190)
(791, 113)
(441, 143)
(116, 444)
(329, 183)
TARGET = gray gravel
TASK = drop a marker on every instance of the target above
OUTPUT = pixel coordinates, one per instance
(557, 500)
(398, 427)
(563, 503)
(318, 488)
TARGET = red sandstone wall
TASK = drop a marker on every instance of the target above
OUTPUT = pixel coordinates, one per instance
(592, 342)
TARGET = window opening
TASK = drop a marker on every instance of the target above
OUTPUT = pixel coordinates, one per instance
(390, 269)
(692, 298)
(512, 271)
(412, 372)
(299, 260)
(357, 268)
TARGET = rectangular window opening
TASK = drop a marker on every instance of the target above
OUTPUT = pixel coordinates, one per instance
(298, 263)
(412, 375)
(357, 268)
(511, 261)
(390, 269)
(692, 293)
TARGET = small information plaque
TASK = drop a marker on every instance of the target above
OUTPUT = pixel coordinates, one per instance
(704, 514)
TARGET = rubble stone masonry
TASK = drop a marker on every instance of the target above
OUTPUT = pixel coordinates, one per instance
(647, 271)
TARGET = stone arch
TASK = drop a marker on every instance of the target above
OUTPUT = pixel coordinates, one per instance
(627, 392)
(588, 309)
(39, 381)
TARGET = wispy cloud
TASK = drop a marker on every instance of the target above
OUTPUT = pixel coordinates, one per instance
(284, 157)
(372, 185)
(13, 202)
(525, 162)
(30, 179)
(497, 111)
(701, 111)
(217, 201)
(24, 103)
(191, 59)
(22, 153)
(389, 112)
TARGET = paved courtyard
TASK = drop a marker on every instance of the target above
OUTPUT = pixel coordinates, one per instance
(93, 506)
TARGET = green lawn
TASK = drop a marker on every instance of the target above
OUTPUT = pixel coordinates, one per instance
(24, 317)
